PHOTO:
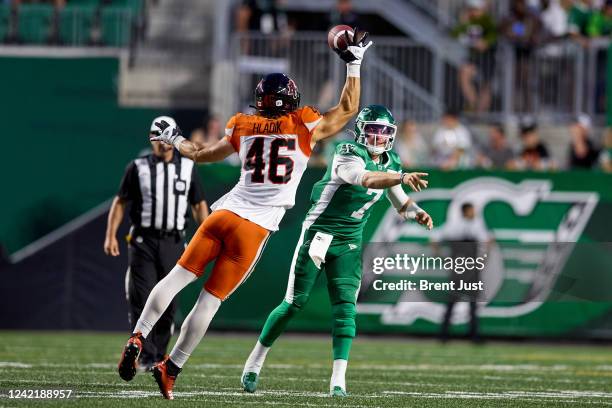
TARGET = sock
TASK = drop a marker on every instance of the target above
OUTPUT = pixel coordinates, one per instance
(172, 369)
(256, 359)
(161, 296)
(338, 373)
(194, 327)
(144, 327)
(341, 346)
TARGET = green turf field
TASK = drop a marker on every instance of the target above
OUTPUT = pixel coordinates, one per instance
(382, 373)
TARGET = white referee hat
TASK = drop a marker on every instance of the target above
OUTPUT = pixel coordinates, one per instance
(168, 119)
(584, 120)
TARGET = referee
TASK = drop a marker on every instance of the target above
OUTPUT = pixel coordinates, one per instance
(159, 186)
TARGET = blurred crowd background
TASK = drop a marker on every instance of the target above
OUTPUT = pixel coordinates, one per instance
(503, 102)
(510, 84)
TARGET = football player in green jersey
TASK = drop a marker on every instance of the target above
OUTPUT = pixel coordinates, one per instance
(331, 237)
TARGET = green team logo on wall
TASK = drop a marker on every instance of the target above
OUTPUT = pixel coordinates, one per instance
(535, 229)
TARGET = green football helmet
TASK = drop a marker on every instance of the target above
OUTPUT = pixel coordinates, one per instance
(375, 129)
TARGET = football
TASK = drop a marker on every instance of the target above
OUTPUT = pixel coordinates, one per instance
(336, 37)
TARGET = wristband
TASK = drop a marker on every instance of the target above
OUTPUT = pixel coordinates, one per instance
(353, 70)
(412, 210)
(177, 142)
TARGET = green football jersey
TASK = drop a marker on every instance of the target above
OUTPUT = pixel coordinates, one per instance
(342, 209)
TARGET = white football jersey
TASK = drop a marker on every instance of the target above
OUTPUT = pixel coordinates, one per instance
(274, 154)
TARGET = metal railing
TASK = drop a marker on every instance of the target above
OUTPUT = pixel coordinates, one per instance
(553, 82)
(446, 13)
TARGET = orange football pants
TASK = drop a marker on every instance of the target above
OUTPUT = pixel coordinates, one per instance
(235, 242)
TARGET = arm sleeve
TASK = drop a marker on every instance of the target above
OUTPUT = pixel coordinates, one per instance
(350, 169)
(231, 135)
(397, 196)
(196, 194)
(129, 183)
(311, 117)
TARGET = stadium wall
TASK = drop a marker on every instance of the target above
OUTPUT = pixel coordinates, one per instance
(529, 213)
(62, 114)
(68, 283)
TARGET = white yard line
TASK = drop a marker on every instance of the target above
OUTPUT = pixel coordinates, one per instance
(12, 364)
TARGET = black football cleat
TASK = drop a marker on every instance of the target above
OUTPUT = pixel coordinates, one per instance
(129, 358)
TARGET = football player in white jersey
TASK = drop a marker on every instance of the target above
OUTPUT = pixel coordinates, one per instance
(274, 146)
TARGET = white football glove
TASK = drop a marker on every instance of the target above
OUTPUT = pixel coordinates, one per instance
(358, 51)
(169, 134)
(353, 55)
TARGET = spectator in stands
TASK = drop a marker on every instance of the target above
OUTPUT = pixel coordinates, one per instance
(600, 21)
(344, 14)
(411, 146)
(265, 16)
(600, 25)
(478, 31)
(534, 154)
(522, 29)
(496, 154)
(452, 143)
(582, 152)
(579, 16)
(605, 157)
(554, 19)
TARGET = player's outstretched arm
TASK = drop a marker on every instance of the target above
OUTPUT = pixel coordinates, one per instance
(407, 208)
(206, 154)
(198, 153)
(380, 179)
(337, 117)
(352, 170)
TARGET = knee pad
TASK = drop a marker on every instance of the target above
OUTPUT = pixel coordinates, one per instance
(343, 290)
(299, 301)
(344, 319)
(287, 309)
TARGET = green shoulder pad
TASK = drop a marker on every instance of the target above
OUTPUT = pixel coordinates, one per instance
(349, 148)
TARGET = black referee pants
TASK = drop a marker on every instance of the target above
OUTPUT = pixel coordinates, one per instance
(151, 257)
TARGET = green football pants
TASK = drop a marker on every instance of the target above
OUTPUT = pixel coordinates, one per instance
(342, 268)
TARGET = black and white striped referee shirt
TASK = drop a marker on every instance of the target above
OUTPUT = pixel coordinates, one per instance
(161, 193)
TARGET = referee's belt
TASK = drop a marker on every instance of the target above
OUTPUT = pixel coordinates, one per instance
(158, 233)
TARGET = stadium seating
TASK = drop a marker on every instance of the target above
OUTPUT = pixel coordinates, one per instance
(5, 17)
(35, 23)
(116, 25)
(75, 23)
